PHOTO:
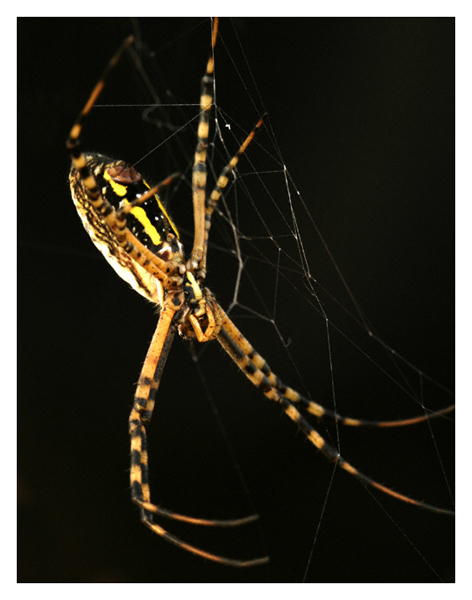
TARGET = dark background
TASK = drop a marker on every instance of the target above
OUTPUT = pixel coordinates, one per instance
(363, 111)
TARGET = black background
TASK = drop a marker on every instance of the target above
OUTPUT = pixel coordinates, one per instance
(363, 110)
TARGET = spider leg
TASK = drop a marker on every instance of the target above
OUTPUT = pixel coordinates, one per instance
(73, 141)
(221, 183)
(320, 411)
(143, 405)
(229, 562)
(140, 416)
(202, 209)
(309, 405)
(249, 361)
(199, 172)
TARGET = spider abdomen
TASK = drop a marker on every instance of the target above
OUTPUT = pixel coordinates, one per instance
(120, 184)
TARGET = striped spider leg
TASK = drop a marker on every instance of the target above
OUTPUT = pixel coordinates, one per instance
(260, 375)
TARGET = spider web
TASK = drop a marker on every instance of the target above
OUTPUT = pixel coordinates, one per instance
(332, 251)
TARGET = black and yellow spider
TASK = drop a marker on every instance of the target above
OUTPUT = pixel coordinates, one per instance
(128, 223)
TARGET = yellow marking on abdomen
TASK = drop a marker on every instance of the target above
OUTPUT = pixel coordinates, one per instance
(163, 210)
(149, 228)
(118, 188)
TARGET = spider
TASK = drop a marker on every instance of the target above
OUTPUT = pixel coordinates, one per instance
(127, 221)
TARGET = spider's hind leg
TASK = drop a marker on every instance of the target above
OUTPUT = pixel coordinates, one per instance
(139, 476)
(260, 375)
(143, 407)
(140, 416)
